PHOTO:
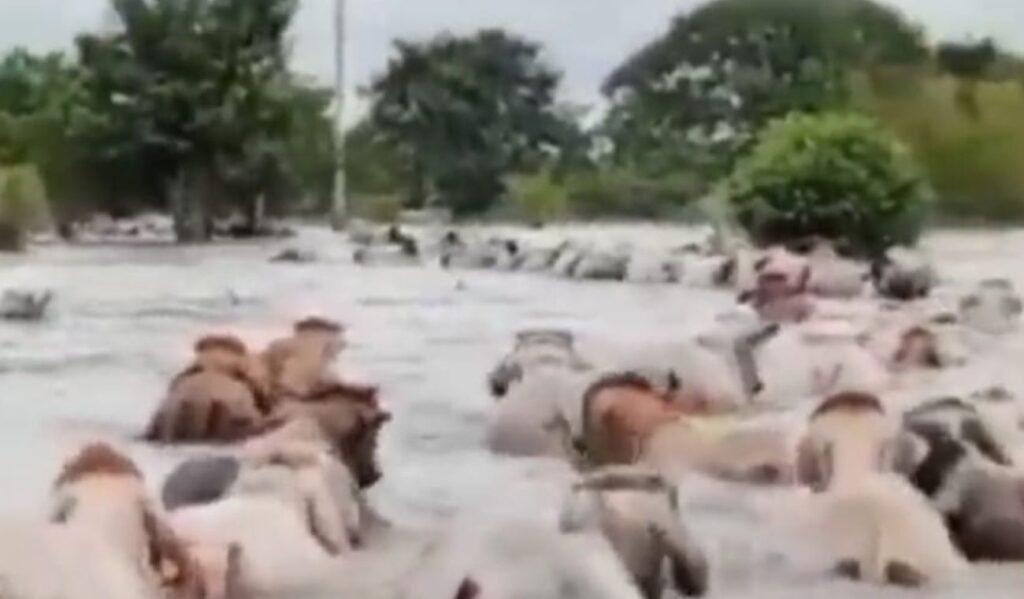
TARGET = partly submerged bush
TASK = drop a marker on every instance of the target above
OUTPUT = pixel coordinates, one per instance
(381, 208)
(835, 175)
(23, 204)
(621, 193)
(538, 198)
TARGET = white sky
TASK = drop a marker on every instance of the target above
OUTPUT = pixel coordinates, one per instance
(585, 38)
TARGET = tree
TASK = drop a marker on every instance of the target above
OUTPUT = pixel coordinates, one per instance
(967, 60)
(37, 96)
(373, 164)
(190, 106)
(969, 63)
(309, 148)
(29, 84)
(463, 112)
(696, 96)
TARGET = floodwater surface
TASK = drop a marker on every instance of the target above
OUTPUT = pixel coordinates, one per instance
(124, 319)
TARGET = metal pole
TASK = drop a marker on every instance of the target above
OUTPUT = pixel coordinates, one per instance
(339, 213)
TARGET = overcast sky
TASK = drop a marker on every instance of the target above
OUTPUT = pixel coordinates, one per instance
(585, 38)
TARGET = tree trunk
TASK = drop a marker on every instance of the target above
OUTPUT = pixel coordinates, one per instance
(257, 215)
(66, 230)
(966, 96)
(188, 204)
(418, 186)
(11, 237)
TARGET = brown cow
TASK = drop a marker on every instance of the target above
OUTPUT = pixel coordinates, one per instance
(221, 397)
(105, 537)
(296, 364)
(620, 412)
(776, 300)
(626, 421)
(918, 348)
(349, 418)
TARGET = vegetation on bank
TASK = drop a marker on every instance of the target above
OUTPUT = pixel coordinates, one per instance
(189, 107)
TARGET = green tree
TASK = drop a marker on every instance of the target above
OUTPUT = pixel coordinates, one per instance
(373, 163)
(696, 96)
(463, 112)
(970, 63)
(37, 95)
(29, 84)
(189, 107)
(309, 148)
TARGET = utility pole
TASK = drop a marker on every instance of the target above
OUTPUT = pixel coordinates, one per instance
(339, 212)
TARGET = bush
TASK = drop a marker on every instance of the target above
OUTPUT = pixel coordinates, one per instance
(538, 198)
(382, 208)
(619, 193)
(835, 175)
(22, 204)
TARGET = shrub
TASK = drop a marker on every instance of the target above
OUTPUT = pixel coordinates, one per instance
(22, 204)
(382, 208)
(836, 175)
(620, 193)
(538, 198)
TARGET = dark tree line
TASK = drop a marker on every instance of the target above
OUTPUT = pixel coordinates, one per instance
(462, 113)
(188, 107)
(697, 95)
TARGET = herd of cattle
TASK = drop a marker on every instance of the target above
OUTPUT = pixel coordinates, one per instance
(813, 388)
(718, 261)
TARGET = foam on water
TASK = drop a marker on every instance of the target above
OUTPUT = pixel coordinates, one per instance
(125, 317)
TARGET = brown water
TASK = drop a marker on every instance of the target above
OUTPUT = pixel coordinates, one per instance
(125, 317)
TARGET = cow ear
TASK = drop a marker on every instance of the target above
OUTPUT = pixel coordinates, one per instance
(168, 556)
(810, 468)
(324, 519)
(233, 575)
(502, 378)
(578, 364)
(468, 589)
(688, 563)
(805, 279)
(970, 302)
(1012, 306)
(975, 433)
(63, 509)
(904, 453)
(579, 511)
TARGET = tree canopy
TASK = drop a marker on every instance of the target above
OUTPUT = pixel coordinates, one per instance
(190, 105)
(697, 94)
(463, 112)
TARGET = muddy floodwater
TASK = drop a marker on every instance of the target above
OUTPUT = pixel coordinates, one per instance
(124, 319)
